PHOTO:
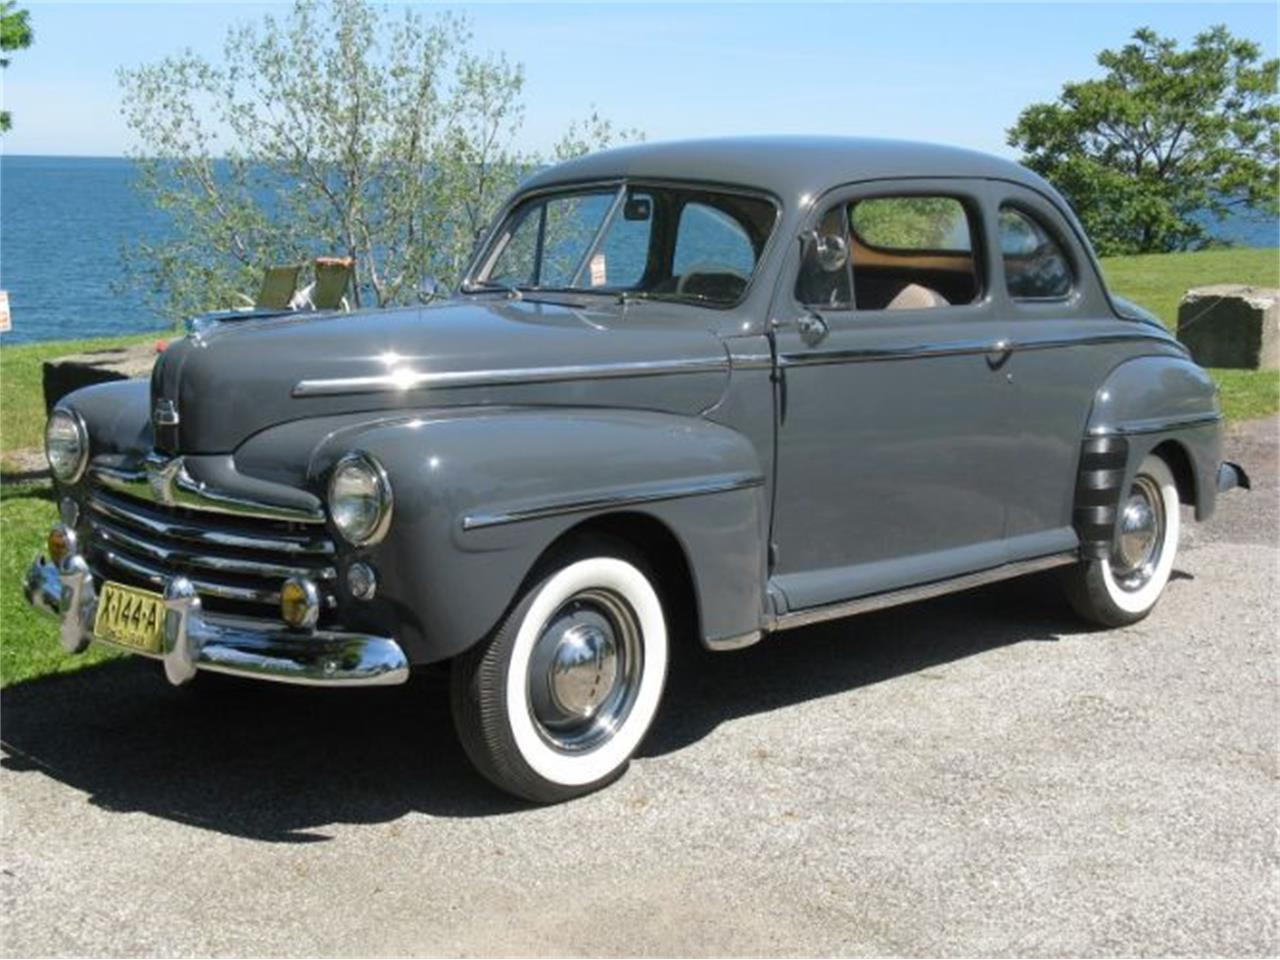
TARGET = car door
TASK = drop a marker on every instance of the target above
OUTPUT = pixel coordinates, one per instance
(895, 420)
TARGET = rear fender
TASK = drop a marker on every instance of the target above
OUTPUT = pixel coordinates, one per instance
(1148, 404)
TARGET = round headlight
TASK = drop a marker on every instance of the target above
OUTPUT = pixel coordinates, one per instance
(66, 445)
(360, 499)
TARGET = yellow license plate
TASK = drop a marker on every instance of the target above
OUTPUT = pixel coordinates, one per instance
(130, 617)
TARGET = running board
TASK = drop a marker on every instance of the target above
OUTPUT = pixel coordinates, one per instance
(893, 598)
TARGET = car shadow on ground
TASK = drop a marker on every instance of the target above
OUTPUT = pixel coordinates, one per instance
(279, 763)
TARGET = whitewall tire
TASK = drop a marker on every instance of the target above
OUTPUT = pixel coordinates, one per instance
(555, 703)
(1124, 587)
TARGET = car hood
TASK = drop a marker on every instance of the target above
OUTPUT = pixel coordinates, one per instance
(234, 378)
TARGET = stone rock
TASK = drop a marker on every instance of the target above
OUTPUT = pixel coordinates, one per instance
(64, 374)
(1231, 325)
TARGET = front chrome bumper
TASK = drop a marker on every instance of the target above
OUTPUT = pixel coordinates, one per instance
(193, 641)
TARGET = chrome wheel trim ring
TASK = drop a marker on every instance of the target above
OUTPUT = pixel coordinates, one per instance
(584, 671)
(1135, 556)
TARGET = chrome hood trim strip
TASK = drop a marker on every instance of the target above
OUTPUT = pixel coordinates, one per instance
(402, 380)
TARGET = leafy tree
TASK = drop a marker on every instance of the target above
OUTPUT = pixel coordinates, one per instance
(339, 129)
(15, 34)
(1165, 135)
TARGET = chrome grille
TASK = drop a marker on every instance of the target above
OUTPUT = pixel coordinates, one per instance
(238, 563)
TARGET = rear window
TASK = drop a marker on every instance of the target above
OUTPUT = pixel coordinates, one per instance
(1035, 266)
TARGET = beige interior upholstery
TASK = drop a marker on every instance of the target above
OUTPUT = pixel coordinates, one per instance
(915, 297)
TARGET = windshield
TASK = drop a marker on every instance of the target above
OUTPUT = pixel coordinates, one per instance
(662, 242)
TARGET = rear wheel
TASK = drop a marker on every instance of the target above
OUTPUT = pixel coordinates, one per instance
(554, 704)
(1123, 587)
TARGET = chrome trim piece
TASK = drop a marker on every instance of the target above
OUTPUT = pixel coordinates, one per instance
(399, 381)
(111, 534)
(956, 348)
(738, 642)
(750, 361)
(165, 413)
(167, 482)
(1156, 425)
(177, 529)
(652, 493)
(1232, 475)
(194, 642)
(893, 598)
(158, 576)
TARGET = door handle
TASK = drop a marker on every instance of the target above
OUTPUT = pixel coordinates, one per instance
(999, 354)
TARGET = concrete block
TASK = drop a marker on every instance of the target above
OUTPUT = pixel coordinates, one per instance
(1231, 325)
(64, 374)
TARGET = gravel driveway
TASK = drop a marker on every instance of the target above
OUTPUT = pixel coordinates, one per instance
(973, 775)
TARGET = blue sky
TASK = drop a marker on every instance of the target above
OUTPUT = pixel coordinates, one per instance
(954, 73)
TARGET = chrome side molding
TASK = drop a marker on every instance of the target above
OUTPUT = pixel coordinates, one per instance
(1157, 425)
(893, 598)
(649, 493)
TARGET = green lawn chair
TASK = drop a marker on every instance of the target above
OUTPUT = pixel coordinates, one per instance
(333, 279)
(279, 287)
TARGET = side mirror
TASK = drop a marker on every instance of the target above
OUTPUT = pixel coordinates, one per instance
(428, 290)
(637, 208)
(830, 251)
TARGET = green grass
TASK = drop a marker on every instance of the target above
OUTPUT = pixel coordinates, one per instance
(28, 642)
(21, 387)
(1158, 281)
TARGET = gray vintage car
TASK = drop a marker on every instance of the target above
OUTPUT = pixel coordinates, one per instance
(697, 392)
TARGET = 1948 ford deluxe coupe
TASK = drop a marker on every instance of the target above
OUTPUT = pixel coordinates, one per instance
(721, 388)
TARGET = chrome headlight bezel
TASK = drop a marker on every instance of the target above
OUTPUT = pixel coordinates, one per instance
(360, 468)
(67, 470)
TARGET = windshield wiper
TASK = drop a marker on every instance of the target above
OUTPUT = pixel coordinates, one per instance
(633, 296)
(492, 286)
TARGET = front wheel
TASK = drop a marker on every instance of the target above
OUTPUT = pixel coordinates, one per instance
(1123, 587)
(556, 701)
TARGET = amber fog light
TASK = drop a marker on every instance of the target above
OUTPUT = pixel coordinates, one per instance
(61, 544)
(299, 603)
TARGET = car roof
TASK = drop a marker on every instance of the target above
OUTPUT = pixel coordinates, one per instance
(789, 166)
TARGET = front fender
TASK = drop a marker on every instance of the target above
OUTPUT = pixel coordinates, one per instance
(479, 496)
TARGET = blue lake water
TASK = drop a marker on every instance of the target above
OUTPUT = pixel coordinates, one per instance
(64, 221)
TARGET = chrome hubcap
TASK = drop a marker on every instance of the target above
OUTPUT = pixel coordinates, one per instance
(1137, 550)
(584, 668)
(584, 671)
